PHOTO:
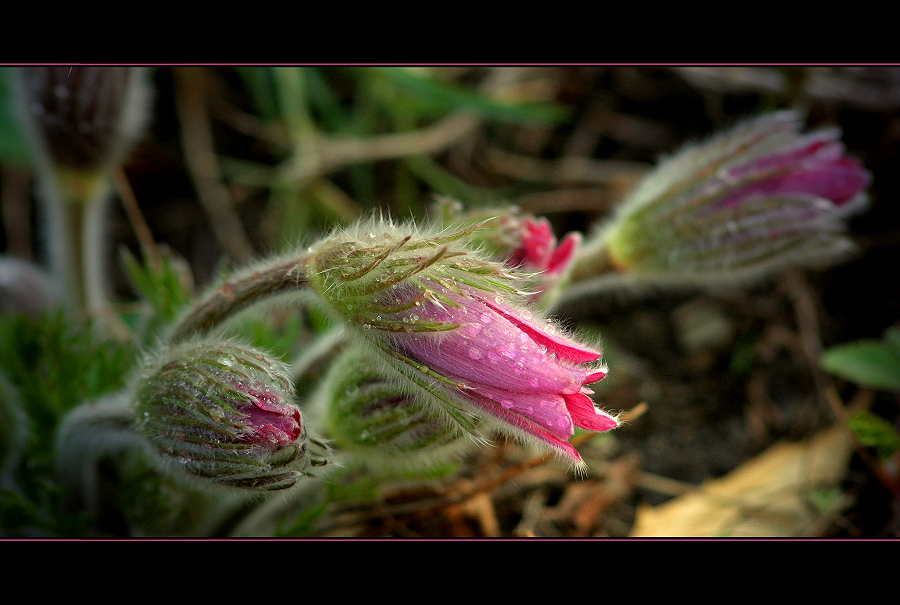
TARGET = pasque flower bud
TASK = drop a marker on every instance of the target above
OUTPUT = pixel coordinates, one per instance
(377, 419)
(752, 200)
(518, 240)
(455, 326)
(82, 120)
(224, 413)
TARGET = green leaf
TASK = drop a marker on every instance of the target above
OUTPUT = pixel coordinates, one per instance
(871, 363)
(433, 95)
(876, 432)
(165, 287)
(14, 147)
(57, 362)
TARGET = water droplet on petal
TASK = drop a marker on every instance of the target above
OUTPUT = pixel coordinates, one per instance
(507, 403)
(474, 353)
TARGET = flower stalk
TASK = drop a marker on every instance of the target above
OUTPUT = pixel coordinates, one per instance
(253, 285)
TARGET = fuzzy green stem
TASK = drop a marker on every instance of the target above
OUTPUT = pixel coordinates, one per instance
(239, 292)
(75, 267)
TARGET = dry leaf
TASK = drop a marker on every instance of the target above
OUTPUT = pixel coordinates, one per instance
(768, 496)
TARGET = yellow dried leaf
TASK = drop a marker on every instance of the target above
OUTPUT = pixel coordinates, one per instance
(769, 496)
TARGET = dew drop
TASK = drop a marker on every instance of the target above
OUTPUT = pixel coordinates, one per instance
(485, 318)
(533, 382)
(474, 353)
(507, 403)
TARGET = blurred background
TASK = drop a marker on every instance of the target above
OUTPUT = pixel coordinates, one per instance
(720, 387)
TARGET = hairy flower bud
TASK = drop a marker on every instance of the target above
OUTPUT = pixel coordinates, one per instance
(225, 413)
(456, 327)
(757, 198)
(82, 119)
(379, 420)
(81, 122)
(520, 241)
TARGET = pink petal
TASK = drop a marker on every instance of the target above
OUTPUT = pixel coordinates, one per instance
(563, 347)
(547, 410)
(522, 420)
(564, 252)
(586, 416)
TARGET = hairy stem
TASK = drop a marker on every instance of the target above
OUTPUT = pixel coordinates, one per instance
(239, 292)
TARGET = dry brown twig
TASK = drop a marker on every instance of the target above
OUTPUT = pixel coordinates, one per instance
(456, 493)
(202, 162)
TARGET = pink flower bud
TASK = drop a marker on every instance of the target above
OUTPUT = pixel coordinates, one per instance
(456, 327)
(520, 241)
(538, 250)
(750, 201)
(224, 413)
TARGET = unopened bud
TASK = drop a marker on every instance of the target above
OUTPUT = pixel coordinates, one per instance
(519, 241)
(755, 199)
(376, 418)
(82, 120)
(225, 413)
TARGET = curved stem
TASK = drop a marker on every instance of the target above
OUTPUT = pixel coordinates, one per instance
(239, 292)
